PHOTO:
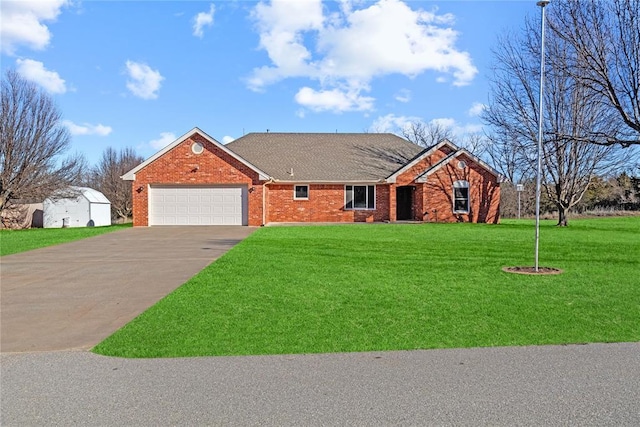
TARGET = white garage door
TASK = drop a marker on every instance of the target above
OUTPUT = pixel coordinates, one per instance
(183, 205)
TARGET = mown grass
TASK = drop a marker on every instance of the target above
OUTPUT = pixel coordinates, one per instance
(14, 241)
(392, 287)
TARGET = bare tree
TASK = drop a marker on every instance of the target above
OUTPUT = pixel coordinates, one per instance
(427, 134)
(32, 146)
(105, 177)
(605, 39)
(505, 153)
(431, 133)
(476, 143)
(570, 118)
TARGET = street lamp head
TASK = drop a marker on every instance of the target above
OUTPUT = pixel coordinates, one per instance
(543, 3)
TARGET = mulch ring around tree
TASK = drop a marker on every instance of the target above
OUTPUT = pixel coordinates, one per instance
(532, 270)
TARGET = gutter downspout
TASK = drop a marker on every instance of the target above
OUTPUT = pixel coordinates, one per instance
(264, 201)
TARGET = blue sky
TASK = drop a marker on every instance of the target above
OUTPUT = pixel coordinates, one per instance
(142, 73)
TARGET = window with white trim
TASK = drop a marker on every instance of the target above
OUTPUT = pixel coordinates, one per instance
(300, 192)
(359, 197)
(461, 197)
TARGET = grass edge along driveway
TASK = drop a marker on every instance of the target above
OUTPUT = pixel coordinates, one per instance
(351, 288)
(16, 241)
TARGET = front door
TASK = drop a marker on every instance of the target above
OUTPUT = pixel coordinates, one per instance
(404, 203)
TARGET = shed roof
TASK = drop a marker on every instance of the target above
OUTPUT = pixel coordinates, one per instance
(93, 196)
(326, 157)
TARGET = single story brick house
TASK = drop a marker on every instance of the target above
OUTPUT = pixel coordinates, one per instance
(264, 178)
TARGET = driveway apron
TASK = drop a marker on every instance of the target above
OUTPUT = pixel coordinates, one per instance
(73, 295)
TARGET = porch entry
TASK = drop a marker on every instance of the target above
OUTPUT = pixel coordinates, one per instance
(404, 202)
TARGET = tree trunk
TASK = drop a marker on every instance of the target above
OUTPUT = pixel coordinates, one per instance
(562, 216)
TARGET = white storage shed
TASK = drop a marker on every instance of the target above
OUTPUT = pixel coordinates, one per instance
(86, 208)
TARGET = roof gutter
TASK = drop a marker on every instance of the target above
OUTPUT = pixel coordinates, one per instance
(344, 181)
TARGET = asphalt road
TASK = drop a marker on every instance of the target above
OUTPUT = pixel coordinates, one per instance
(595, 384)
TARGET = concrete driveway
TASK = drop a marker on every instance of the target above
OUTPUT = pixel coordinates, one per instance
(74, 295)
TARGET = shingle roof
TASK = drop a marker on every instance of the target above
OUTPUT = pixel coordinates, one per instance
(325, 157)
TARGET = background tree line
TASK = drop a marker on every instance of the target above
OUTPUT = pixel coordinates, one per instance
(604, 196)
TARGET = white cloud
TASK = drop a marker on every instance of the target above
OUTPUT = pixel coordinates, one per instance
(389, 37)
(333, 100)
(203, 19)
(87, 129)
(21, 23)
(458, 129)
(404, 95)
(143, 82)
(445, 122)
(350, 47)
(35, 71)
(282, 24)
(165, 139)
(227, 139)
(476, 109)
(393, 124)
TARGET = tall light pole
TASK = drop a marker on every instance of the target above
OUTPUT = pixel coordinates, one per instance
(542, 5)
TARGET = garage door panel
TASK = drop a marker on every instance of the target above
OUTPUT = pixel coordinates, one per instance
(184, 205)
(229, 199)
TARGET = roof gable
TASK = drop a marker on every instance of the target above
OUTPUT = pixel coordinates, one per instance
(131, 175)
(423, 176)
(420, 156)
(326, 157)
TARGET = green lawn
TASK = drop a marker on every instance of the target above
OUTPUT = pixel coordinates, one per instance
(391, 287)
(14, 241)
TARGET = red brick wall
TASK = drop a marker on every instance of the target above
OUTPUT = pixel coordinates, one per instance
(484, 194)
(325, 204)
(178, 165)
(407, 177)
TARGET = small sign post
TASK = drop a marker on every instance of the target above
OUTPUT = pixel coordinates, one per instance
(519, 189)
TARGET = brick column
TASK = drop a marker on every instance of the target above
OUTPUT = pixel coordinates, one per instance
(392, 202)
